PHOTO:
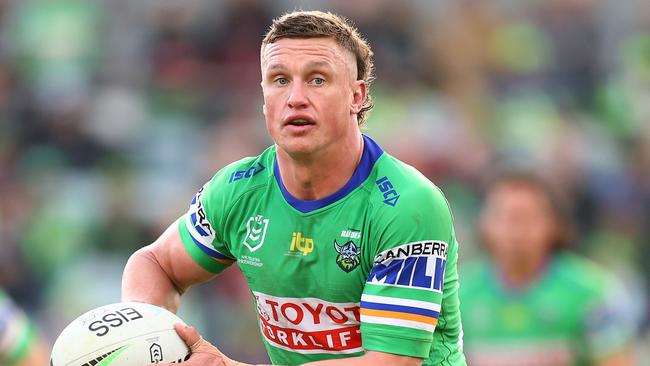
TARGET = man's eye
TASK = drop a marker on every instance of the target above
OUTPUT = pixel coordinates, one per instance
(281, 81)
(318, 81)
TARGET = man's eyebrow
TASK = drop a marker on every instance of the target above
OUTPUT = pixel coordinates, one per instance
(311, 65)
(276, 66)
(318, 64)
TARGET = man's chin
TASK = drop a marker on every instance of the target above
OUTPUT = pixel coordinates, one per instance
(298, 147)
(298, 152)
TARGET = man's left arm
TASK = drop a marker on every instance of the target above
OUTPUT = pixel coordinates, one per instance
(371, 358)
(205, 354)
(409, 305)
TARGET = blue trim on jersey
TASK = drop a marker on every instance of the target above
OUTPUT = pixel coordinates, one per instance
(399, 308)
(211, 252)
(371, 152)
(197, 227)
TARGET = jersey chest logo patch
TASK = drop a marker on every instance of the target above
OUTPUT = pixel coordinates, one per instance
(255, 232)
(348, 257)
(300, 244)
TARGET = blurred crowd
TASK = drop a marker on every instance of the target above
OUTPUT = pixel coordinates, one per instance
(113, 113)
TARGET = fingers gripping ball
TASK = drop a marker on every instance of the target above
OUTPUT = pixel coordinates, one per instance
(122, 334)
(203, 352)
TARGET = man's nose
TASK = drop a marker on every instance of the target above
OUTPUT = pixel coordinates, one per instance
(297, 96)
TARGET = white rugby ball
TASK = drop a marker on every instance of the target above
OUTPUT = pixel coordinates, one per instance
(122, 334)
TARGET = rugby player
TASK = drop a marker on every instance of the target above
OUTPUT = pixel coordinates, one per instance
(349, 253)
(533, 302)
(19, 343)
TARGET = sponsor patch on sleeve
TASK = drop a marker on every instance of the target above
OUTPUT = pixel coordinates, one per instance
(419, 264)
(201, 231)
(416, 266)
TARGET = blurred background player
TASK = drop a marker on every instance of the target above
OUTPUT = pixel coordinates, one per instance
(19, 343)
(532, 302)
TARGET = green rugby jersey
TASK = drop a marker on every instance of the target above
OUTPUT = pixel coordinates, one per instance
(565, 317)
(16, 333)
(372, 266)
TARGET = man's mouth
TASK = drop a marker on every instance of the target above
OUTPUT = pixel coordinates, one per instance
(299, 122)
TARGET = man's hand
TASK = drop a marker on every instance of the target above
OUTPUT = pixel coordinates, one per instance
(203, 353)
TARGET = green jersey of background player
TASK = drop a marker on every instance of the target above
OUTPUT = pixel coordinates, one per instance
(19, 343)
(530, 302)
(531, 327)
(349, 253)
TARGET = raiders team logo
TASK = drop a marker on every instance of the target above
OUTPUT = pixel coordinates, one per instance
(348, 258)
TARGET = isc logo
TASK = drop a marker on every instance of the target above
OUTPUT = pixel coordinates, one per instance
(250, 172)
(301, 244)
(412, 271)
(386, 187)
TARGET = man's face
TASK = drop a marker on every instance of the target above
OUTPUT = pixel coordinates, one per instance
(518, 223)
(311, 95)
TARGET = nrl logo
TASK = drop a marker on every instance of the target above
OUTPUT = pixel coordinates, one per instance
(348, 258)
(155, 351)
(255, 232)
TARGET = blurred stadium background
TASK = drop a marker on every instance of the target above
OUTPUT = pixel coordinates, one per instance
(113, 113)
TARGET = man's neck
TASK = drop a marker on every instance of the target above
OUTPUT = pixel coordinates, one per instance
(318, 176)
(521, 274)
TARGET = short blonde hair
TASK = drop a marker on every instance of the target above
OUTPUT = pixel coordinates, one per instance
(315, 24)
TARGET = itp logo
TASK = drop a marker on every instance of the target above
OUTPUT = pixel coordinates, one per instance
(255, 232)
(301, 244)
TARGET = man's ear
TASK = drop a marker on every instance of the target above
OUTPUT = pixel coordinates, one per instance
(264, 109)
(359, 95)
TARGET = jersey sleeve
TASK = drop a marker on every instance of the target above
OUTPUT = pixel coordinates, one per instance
(16, 333)
(202, 226)
(402, 301)
(608, 326)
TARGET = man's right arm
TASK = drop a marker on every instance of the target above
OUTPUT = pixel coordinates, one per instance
(161, 272)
